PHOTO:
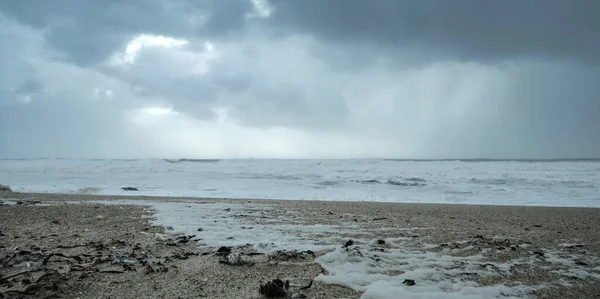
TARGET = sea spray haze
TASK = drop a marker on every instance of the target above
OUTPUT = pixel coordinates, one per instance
(544, 183)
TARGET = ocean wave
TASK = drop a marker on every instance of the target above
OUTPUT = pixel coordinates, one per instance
(573, 184)
(577, 184)
(88, 190)
(328, 183)
(491, 181)
(416, 180)
(192, 160)
(268, 176)
(368, 181)
(406, 182)
(477, 160)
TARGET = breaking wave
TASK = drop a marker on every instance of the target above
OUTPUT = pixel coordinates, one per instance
(406, 182)
(562, 184)
(88, 190)
(192, 160)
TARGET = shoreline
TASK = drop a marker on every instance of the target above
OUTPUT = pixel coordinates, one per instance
(78, 196)
(542, 252)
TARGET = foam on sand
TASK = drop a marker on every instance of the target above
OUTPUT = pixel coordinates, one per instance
(378, 268)
(384, 274)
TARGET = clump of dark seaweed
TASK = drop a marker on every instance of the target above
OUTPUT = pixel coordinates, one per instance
(275, 288)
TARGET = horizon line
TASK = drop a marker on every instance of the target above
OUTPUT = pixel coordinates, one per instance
(356, 158)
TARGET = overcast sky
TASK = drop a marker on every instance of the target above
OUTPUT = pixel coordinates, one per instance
(299, 79)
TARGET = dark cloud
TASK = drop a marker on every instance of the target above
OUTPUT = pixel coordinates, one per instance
(89, 31)
(466, 78)
(464, 29)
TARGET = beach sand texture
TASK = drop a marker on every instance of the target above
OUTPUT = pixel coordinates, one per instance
(87, 246)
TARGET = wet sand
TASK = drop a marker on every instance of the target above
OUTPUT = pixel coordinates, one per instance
(71, 248)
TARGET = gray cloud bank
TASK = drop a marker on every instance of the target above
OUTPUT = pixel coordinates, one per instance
(299, 79)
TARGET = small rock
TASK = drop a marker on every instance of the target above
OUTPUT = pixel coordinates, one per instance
(381, 242)
(539, 253)
(571, 246)
(200, 229)
(123, 260)
(129, 189)
(180, 256)
(183, 239)
(234, 259)
(409, 282)
(274, 289)
(580, 263)
(349, 243)
(224, 249)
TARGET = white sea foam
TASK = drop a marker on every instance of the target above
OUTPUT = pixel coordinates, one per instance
(382, 274)
(572, 183)
(571, 266)
(229, 224)
(377, 270)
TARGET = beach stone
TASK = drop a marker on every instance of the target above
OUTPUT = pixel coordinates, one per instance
(224, 249)
(409, 282)
(274, 289)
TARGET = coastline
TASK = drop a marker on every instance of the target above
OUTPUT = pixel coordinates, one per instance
(555, 249)
(91, 197)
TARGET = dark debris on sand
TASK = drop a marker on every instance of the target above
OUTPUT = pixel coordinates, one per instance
(409, 282)
(277, 288)
(274, 289)
(35, 272)
(291, 256)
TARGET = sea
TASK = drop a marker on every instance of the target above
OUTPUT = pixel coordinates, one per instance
(573, 183)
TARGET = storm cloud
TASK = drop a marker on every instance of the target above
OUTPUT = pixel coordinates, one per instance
(299, 79)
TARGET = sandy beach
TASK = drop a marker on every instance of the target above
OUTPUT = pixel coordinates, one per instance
(89, 246)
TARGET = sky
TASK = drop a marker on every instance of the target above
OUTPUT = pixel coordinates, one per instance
(299, 79)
